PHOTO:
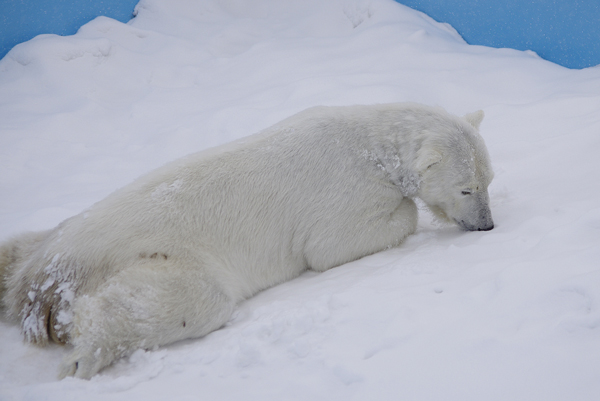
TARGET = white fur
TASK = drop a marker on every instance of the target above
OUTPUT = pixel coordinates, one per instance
(168, 256)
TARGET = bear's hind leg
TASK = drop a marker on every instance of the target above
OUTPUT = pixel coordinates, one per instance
(153, 303)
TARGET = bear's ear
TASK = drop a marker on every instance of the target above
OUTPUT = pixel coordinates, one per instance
(427, 158)
(475, 118)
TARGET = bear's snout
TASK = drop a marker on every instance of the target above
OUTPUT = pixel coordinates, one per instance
(488, 228)
(485, 226)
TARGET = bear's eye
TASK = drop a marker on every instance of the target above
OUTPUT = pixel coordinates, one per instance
(466, 192)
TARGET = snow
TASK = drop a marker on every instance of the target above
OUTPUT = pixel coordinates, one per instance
(510, 314)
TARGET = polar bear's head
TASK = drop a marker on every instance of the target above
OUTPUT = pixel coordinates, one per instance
(455, 172)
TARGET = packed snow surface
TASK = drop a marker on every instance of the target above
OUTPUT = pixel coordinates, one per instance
(510, 314)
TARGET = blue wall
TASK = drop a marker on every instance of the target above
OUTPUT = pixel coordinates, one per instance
(566, 32)
(21, 20)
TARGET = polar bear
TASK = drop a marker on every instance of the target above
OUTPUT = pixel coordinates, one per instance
(169, 256)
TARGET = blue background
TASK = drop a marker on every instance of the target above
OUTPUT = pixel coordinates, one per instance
(21, 20)
(566, 32)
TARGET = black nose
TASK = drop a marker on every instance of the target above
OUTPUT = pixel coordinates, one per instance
(471, 227)
(486, 228)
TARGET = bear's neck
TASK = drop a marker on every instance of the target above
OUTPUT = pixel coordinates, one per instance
(396, 155)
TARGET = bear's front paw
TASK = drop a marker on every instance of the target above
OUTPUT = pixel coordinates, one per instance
(83, 364)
